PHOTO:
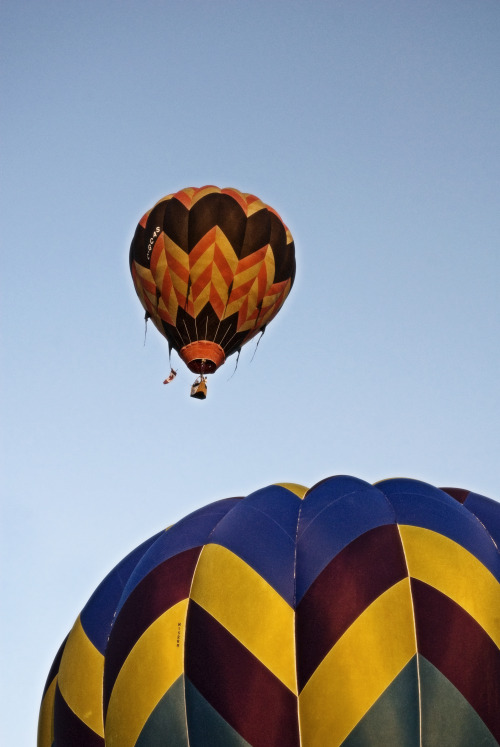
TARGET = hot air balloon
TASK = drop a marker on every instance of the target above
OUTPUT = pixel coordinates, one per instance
(212, 267)
(347, 614)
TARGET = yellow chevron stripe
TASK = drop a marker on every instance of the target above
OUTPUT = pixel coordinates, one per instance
(253, 298)
(357, 670)
(270, 267)
(144, 273)
(216, 293)
(203, 261)
(265, 316)
(168, 313)
(225, 246)
(254, 294)
(153, 665)
(243, 276)
(241, 600)
(161, 267)
(173, 251)
(80, 678)
(46, 719)
(293, 487)
(216, 280)
(217, 284)
(450, 568)
(201, 299)
(255, 206)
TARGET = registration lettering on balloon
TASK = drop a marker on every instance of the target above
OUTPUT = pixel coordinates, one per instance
(152, 241)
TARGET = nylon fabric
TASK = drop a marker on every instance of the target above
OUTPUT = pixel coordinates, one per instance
(293, 617)
(80, 678)
(251, 610)
(212, 264)
(151, 668)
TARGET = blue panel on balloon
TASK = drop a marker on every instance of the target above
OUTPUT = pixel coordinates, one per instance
(192, 531)
(487, 511)
(337, 523)
(419, 504)
(280, 504)
(325, 492)
(98, 614)
(265, 539)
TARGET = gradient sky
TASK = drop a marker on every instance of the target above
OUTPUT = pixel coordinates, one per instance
(373, 129)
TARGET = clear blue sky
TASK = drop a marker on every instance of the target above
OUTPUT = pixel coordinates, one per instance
(373, 129)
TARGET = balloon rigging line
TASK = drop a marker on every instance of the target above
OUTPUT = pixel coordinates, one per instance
(225, 333)
(196, 326)
(258, 341)
(236, 365)
(225, 309)
(189, 336)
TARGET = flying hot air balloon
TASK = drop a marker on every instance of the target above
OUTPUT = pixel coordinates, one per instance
(347, 615)
(212, 267)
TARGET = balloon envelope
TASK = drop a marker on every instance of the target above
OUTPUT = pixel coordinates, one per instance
(212, 267)
(347, 614)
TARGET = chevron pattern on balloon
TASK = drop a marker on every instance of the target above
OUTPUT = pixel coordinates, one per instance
(212, 265)
(347, 615)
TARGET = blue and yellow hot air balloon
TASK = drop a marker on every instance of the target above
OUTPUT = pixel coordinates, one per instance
(345, 615)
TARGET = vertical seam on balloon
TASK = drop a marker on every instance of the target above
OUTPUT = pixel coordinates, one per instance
(215, 239)
(295, 617)
(419, 682)
(230, 285)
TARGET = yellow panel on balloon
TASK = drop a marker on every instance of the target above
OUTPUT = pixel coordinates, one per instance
(241, 600)
(153, 665)
(80, 678)
(359, 667)
(450, 568)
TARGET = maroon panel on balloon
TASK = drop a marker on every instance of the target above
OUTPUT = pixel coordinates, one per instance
(459, 494)
(164, 586)
(352, 580)
(69, 731)
(237, 685)
(460, 648)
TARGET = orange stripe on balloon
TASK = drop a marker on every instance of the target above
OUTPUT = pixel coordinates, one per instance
(205, 243)
(177, 268)
(184, 197)
(158, 249)
(252, 259)
(238, 197)
(144, 219)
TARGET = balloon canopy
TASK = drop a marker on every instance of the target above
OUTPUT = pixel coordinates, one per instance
(212, 267)
(347, 614)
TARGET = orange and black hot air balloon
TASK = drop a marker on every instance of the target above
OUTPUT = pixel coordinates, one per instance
(212, 267)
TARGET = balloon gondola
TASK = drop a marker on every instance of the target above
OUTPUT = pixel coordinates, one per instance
(212, 267)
